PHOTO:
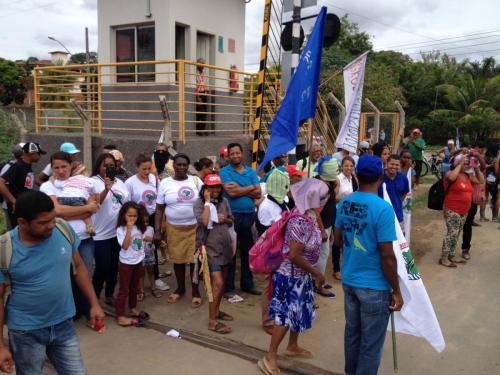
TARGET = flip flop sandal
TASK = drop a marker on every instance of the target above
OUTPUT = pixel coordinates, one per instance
(337, 275)
(165, 274)
(143, 315)
(449, 264)
(327, 286)
(174, 298)
(221, 328)
(196, 302)
(224, 316)
(266, 369)
(305, 354)
(326, 294)
(140, 296)
(457, 260)
(156, 293)
(134, 322)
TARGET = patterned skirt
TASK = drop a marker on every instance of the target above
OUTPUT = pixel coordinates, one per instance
(292, 303)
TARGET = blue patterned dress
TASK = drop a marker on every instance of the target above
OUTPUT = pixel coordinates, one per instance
(292, 303)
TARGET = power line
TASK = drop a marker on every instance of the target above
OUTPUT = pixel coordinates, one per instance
(466, 53)
(381, 23)
(459, 47)
(425, 44)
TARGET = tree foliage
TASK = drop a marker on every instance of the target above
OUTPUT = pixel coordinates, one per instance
(12, 88)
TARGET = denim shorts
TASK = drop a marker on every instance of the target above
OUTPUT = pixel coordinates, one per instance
(216, 267)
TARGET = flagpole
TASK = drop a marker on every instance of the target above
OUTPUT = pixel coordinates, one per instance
(311, 139)
(394, 347)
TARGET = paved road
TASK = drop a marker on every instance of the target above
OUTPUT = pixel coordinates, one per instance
(466, 300)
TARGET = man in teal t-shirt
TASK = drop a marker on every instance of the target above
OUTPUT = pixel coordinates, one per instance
(365, 230)
(416, 145)
(40, 309)
(241, 188)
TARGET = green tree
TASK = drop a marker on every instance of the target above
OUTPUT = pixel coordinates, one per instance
(81, 58)
(11, 82)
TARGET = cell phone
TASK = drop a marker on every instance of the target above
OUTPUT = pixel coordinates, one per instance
(111, 172)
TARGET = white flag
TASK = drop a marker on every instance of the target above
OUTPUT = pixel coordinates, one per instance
(354, 77)
(417, 317)
(407, 205)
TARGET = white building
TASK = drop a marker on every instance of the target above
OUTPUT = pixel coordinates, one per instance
(145, 30)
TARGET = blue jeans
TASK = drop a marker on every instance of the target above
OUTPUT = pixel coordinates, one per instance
(243, 223)
(59, 342)
(86, 250)
(367, 316)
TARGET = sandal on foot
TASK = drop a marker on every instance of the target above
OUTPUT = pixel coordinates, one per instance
(196, 302)
(327, 286)
(306, 354)
(143, 315)
(456, 259)
(165, 274)
(174, 298)
(221, 328)
(140, 296)
(156, 293)
(266, 369)
(447, 263)
(337, 275)
(132, 322)
(224, 316)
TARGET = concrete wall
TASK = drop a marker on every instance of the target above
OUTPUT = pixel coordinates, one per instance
(131, 146)
(224, 18)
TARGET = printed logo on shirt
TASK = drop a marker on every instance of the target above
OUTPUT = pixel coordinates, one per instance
(116, 199)
(148, 197)
(356, 212)
(137, 243)
(185, 193)
(29, 181)
(63, 250)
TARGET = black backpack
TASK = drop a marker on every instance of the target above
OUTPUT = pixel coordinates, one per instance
(437, 193)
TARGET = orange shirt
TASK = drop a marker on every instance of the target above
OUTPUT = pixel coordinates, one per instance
(459, 197)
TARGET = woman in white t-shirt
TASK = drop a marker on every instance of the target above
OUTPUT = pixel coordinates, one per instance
(346, 184)
(61, 170)
(143, 189)
(113, 194)
(176, 198)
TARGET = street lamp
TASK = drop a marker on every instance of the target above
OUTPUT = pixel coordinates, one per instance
(63, 46)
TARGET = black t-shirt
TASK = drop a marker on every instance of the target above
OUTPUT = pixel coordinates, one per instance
(19, 178)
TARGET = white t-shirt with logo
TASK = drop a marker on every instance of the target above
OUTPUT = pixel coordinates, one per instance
(78, 225)
(269, 212)
(76, 187)
(105, 219)
(179, 197)
(134, 254)
(143, 193)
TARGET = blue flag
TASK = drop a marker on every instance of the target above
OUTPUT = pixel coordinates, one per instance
(300, 100)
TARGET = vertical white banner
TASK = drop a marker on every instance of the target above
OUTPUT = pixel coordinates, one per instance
(417, 317)
(354, 76)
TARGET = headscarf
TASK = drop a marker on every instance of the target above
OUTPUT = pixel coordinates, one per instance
(328, 168)
(277, 185)
(307, 194)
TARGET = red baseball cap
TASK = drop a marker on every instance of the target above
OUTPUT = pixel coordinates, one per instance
(223, 151)
(293, 171)
(212, 179)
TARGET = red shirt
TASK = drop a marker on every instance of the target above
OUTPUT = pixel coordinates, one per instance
(459, 197)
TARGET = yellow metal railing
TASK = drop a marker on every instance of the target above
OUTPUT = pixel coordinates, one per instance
(123, 97)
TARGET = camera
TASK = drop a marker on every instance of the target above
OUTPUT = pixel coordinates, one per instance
(111, 172)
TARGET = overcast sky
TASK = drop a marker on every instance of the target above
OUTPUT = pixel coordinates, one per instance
(405, 25)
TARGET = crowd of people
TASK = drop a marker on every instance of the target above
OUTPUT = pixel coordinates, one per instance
(119, 227)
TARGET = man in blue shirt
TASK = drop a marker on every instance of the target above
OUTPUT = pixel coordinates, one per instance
(40, 309)
(396, 184)
(241, 188)
(365, 228)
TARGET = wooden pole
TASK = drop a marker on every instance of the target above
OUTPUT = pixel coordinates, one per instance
(311, 138)
(402, 124)
(394, 346)
(167, 126)
(376, 127)
(87, 134)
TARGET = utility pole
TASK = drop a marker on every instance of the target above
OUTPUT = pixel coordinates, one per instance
(87, 52)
